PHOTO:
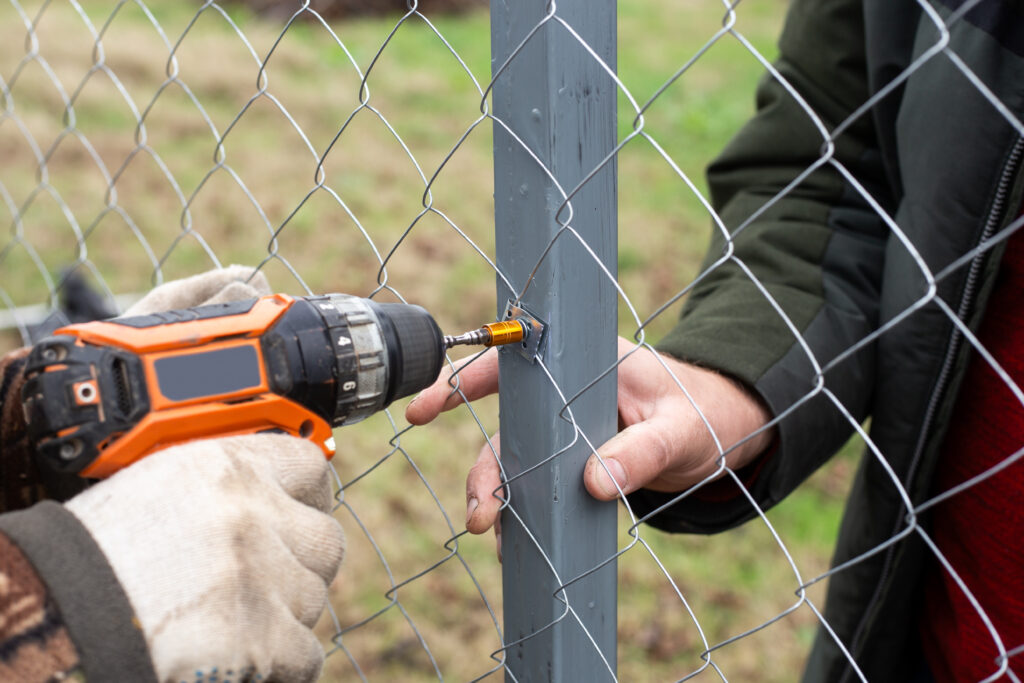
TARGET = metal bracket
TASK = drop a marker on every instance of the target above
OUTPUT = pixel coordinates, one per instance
(530, 348)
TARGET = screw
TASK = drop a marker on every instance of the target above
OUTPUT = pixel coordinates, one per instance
(68, 451)
(86, 393)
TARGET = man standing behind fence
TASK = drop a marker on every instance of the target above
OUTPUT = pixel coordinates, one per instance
(863, 196)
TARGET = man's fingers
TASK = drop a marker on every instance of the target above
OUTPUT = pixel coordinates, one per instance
(482, 483)
(632, 458)
(476, 378)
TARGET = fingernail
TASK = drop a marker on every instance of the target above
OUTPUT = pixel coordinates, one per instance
(470, 509)
(413, 401)
(613, 467)
(497, 541)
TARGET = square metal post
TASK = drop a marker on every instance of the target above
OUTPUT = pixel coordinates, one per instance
(560, 103)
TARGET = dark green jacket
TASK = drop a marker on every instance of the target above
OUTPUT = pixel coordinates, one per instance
(940, 164)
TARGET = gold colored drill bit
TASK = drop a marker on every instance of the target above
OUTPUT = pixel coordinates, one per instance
(491, 334)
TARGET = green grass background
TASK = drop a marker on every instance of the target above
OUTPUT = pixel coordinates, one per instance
(265, 179)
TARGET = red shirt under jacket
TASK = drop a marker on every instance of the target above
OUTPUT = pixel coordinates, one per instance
(979, 530)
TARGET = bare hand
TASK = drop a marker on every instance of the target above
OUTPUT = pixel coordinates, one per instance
(663, 443)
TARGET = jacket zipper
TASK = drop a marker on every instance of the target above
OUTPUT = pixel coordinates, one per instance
(992, 223)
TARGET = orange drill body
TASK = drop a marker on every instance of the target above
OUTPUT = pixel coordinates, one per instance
(99, 396)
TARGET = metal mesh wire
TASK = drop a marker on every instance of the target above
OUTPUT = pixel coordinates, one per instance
(145, 141)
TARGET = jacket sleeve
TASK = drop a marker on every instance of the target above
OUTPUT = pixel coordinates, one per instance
(817, 249)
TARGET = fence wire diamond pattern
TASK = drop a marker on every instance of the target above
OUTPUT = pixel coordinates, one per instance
(146, 141)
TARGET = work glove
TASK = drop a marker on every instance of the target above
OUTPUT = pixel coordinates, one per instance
(225, 549)
(223, 285)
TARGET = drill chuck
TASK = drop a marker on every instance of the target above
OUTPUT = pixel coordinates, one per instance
(382, 352)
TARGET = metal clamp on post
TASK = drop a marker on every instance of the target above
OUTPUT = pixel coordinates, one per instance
(531, 346)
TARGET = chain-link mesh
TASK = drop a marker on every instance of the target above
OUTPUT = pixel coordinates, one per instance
(145, 141)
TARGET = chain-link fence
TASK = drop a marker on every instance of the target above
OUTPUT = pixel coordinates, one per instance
(144, 141)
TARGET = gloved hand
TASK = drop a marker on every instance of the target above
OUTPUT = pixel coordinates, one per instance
(212, 287)
(223, 546)
(225, 550)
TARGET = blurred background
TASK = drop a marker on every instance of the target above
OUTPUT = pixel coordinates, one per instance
(340, 144)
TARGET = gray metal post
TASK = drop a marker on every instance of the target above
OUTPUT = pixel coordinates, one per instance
(561, 104)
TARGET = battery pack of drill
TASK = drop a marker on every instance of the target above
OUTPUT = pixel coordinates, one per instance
(99, 396)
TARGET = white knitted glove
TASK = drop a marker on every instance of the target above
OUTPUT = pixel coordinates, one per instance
(212, 287)
(225, 552)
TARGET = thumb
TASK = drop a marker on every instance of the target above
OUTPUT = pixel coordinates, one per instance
(628, 461)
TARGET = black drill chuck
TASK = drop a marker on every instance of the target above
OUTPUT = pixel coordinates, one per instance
(346, 358)
(415, 348)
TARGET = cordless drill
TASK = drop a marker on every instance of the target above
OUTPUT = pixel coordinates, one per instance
(98, 396)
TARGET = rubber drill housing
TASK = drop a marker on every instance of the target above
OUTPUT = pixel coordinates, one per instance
(415, 348)
(346, 358)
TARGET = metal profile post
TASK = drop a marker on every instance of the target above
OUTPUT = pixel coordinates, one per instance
(558, 100)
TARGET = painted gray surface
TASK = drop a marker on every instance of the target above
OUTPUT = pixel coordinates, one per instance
(560, 102)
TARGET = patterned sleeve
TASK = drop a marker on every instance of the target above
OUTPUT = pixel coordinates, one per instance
(34, 643)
